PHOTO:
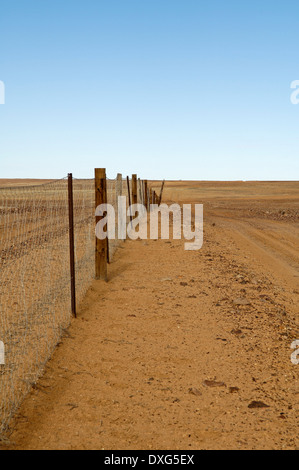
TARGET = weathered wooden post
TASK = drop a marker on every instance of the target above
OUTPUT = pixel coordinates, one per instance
(146, 194)
(129, 196)
(161, 193)
(134, 189)
(118, 193)
(150, 198)
(101, 245)
(143, 193)
(119, 186)
(140, 191)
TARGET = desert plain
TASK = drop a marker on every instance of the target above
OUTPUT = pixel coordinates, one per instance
(183, 349)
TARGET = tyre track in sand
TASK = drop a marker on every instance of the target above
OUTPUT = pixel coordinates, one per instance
(275, 244)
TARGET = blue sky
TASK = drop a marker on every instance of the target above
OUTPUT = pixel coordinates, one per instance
(176, 89)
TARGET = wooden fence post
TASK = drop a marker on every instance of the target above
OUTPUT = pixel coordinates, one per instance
(161, 193)
(146, 194)
(118, 193)
(72, 244)
(143, 193)
(140, 191)
(119, 185)
(101, 245)
(129, 196)
(134, 189)
(150, 198)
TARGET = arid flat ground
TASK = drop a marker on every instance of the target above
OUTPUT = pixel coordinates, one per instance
(180, 349)
(5, 183)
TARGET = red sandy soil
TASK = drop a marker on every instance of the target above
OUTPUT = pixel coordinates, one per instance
(180, 349)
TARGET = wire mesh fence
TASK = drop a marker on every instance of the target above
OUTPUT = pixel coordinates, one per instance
(35, 302)
(34, 294)
(115, 188)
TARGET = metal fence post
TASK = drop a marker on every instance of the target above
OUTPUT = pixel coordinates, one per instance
(72, 244)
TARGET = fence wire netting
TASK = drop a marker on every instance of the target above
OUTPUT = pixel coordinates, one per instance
(35, 301)
(115, 188)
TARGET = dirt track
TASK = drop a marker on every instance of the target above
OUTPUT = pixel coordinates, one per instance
(178, 348)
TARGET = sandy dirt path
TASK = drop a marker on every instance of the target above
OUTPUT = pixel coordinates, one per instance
(180, 350)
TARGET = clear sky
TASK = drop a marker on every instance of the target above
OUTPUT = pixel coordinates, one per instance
(181, 89)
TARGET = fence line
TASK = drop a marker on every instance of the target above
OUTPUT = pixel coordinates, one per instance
(34, 294)
(35, 300)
